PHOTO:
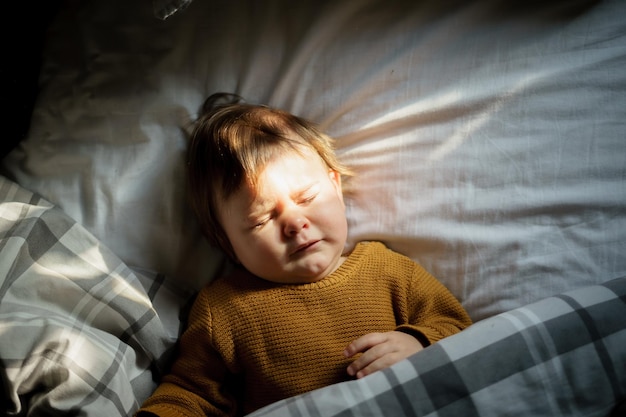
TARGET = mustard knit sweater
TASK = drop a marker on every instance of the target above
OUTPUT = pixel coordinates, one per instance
(250, 342)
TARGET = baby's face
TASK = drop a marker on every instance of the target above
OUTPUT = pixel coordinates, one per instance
(292, 228)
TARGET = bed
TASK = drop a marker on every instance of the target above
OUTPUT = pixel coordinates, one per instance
(489, 144)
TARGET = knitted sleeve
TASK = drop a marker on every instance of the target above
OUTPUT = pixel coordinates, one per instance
(432, 310)
(195, 383)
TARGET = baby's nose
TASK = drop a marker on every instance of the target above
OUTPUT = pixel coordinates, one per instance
(294, 222)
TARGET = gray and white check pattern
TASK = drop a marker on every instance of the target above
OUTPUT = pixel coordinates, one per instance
(79, 330)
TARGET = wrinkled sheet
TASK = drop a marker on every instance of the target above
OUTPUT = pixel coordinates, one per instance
(487, 137)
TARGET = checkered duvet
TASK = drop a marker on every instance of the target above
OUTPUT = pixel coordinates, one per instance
(81, 333)
(562, 356)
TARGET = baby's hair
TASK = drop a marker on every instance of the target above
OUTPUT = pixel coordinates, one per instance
(231, 142)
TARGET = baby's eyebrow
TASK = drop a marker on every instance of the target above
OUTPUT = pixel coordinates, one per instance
(258, 208)
(303, 191)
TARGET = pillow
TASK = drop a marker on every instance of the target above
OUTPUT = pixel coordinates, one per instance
(474, 152)
(80, 330)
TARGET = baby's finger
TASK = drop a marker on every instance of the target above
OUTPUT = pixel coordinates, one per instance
(364, 343)
(381, 362)
(366, 360)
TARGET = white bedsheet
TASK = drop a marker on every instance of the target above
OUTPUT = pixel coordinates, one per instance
(488, 138)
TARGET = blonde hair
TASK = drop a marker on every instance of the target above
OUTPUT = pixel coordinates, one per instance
(231, 142)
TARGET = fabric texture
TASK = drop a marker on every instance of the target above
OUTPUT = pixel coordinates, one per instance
(271, 341)
(561, 356)
(487, 137)
(79, 330)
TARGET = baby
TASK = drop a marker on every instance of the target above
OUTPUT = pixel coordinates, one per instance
(298, 312)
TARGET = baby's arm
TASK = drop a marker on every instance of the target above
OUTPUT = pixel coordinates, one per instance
(430, 313)
(194, 385)
(380, 350)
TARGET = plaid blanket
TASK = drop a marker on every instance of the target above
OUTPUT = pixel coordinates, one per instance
(80, 332)
(562, 356)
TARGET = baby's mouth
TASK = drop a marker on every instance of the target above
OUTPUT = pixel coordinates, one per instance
(304, 247)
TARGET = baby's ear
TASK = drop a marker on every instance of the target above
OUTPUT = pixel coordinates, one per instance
(335, 178)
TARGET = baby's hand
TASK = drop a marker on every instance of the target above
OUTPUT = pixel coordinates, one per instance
(380, 350)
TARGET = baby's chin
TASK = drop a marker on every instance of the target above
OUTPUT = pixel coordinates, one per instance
(309, 275)
(329, 270)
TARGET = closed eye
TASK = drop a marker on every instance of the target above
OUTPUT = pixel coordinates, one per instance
(307, 199)
(308, 194)
(259, 224)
